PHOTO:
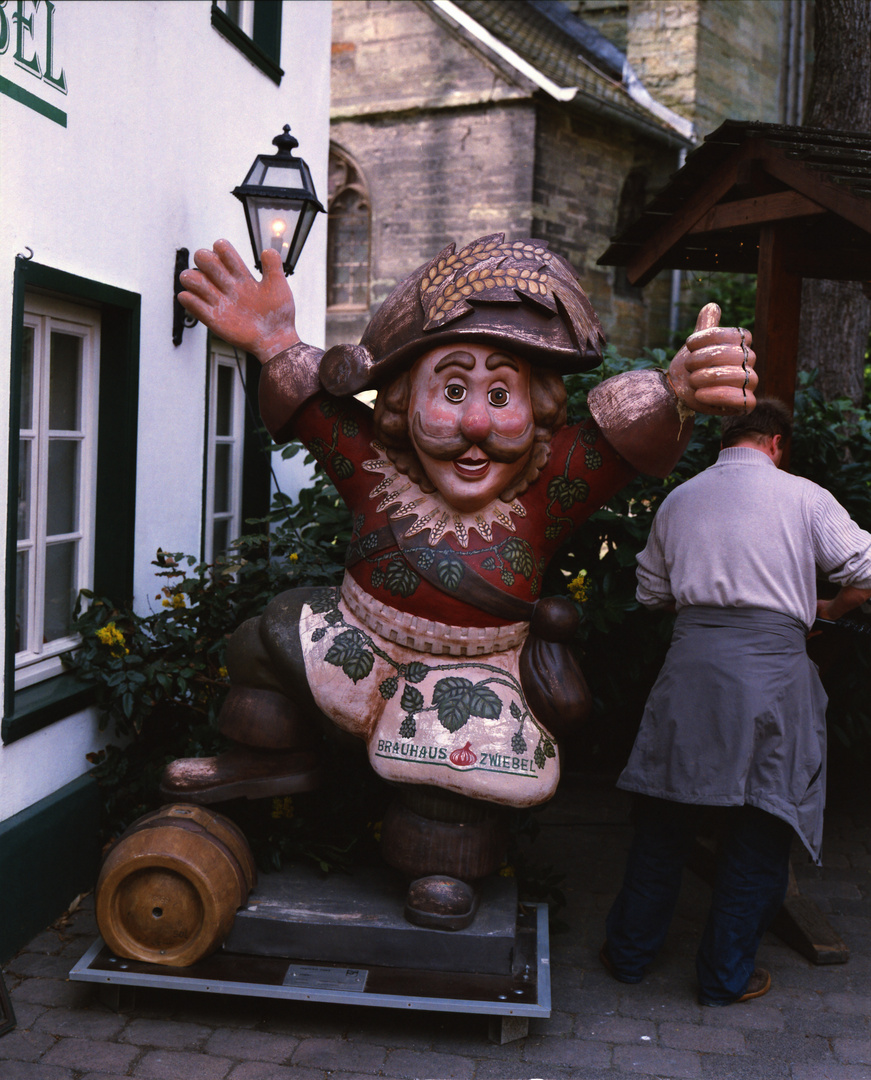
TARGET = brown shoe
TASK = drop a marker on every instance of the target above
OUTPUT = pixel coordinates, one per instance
(240, 773)
(608, 964)
(758, 984)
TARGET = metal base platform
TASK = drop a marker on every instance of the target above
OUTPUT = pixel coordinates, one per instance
(510, 999)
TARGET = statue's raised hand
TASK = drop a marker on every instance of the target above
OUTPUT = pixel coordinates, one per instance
(257, 316)
(713, 372)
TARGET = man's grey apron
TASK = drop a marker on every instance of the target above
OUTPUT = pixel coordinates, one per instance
(736, 716)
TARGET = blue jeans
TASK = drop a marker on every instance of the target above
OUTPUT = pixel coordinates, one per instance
(751, 880)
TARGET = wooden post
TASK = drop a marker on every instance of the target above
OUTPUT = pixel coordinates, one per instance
(778, 306)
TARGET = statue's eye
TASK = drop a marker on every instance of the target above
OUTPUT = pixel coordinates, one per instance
(498, 396)
(455, 391)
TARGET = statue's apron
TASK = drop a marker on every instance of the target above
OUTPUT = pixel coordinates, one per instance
(436, 704)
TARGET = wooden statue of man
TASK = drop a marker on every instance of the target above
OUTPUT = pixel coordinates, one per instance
(437, 649)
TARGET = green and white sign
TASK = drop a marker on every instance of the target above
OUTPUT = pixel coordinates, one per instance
(32, 73)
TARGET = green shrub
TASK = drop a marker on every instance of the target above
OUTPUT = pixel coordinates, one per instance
(832, 446)
(160, 678)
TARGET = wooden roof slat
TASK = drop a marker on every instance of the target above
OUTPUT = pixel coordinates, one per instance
(737, 131)
(833, 155)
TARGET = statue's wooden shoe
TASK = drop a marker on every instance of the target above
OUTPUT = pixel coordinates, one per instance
(240, 773)
(440, 902)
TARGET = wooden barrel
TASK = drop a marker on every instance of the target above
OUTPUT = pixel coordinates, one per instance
(169, 889)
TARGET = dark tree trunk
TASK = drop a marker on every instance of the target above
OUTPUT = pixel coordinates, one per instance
(836, 316)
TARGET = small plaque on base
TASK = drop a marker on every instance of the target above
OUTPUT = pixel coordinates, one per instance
(313, 977)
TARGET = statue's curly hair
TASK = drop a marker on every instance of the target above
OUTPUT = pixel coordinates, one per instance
(548, 398)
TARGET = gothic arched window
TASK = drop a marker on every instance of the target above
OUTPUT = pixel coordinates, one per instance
(348, 236)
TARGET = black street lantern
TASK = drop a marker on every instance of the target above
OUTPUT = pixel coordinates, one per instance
(280, 202)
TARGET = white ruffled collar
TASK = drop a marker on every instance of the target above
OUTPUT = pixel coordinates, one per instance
(430, 510)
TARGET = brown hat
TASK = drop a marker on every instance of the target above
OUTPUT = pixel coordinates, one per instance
(517, 294)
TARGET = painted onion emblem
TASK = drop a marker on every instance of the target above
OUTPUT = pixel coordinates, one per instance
(463, 756)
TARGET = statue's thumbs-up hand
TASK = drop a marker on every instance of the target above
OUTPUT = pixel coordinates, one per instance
(713, 372)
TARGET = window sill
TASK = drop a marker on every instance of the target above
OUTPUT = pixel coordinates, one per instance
(44, 703)
(228, 29)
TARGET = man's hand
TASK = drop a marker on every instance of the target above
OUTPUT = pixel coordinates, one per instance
(847, 598)
(713, 372)
(257, 316)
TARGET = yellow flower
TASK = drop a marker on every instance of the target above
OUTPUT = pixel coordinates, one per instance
(222, 673)
(282, 807)
(178, 600)
(578, 587)
(506, 871)
(165, 603)
(110, 635)
(293, 557)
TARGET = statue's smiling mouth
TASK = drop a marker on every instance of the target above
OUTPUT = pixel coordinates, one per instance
(472, 468)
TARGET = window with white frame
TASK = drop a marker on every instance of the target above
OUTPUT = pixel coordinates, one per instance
(224, 452)
(56, 480)
(254, 27)
(241, 13)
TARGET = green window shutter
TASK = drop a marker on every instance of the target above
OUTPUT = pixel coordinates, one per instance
(267, 27)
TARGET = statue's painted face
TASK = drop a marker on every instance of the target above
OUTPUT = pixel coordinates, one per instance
(471, 421)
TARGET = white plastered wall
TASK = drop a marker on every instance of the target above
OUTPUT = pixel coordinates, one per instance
(164, 118)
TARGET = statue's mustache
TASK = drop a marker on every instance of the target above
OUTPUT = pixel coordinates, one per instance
(502, 448)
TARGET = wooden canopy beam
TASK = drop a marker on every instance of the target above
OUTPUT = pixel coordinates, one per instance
(757, 211)
(778, 306)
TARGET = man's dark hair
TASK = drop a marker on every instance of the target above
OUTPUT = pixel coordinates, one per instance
(770, 417)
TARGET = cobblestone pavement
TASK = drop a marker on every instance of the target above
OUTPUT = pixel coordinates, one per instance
(813, 1025)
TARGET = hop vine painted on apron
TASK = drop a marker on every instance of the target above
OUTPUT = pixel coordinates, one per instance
(455, 699)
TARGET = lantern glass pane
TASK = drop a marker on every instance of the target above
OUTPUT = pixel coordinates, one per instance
(256, 173)
(286, 174)
(274, 226)
(309, 213)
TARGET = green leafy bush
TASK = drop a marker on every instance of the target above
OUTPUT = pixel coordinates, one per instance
(160, 678)
(832, 446)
